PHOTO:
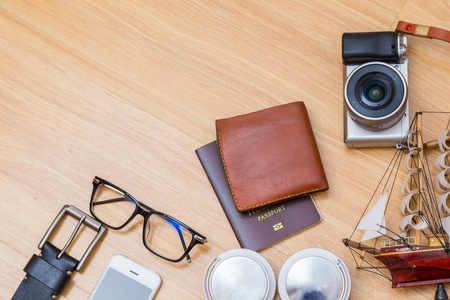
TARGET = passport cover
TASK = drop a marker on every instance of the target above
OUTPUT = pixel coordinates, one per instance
(259, 228)
(270, 156)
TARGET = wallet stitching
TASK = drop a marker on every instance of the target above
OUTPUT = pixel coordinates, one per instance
(226, 171)
(232, 190)
(282, 198)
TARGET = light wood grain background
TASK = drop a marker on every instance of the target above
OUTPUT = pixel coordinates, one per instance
(127, 90)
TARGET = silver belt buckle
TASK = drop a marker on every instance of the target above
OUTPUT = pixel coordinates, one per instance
(83, 218)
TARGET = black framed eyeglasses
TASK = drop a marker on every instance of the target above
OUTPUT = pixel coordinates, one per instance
(163, 235)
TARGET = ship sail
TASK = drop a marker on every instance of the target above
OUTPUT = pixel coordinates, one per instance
(443, 207)
(374, 222)
(446, 224)
(443, 165)
(443, 141)
(410, 222)
(441, 161)
(411, 203)
(442, 180)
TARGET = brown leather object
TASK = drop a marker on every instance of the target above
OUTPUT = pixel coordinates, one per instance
(270, 156)
(423, 31)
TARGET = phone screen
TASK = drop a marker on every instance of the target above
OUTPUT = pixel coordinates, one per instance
(117, 286)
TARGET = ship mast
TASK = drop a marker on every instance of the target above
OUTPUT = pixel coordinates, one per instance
(418, 233)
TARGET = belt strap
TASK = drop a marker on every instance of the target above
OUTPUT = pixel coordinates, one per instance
(423, 31)
(46, 275)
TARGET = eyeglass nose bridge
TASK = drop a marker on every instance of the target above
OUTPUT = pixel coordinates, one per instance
(143, 211)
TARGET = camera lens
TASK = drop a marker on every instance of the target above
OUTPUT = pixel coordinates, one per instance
(376, 95)
(375, 91)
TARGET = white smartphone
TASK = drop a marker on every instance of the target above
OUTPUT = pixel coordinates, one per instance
(125, 279)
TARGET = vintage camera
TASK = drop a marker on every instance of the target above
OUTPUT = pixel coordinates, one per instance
(375, 89)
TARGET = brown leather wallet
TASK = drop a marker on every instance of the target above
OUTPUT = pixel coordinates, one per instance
(270, 156)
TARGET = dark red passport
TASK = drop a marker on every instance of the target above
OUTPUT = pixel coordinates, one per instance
(259, 228)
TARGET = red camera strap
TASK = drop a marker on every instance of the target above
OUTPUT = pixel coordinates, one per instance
(423, 31)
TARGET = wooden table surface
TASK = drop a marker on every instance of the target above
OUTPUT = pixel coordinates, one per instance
(127, 90)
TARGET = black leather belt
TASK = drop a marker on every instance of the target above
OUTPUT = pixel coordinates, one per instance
(49, 272)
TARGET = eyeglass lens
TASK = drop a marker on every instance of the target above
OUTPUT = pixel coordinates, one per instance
(166, 236)
(111, 206)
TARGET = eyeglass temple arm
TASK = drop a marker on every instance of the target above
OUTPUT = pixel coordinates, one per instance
(110, 201)
(180, 234)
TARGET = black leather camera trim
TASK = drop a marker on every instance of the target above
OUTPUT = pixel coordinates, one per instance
(362, 47)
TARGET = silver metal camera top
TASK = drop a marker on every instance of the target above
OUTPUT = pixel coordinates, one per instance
(403, 46)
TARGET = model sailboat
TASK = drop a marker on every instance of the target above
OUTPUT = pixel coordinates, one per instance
(417, 252)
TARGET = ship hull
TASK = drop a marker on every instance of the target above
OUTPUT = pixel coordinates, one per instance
(421, 266)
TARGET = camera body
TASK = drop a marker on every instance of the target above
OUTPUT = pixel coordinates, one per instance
(375, 89)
